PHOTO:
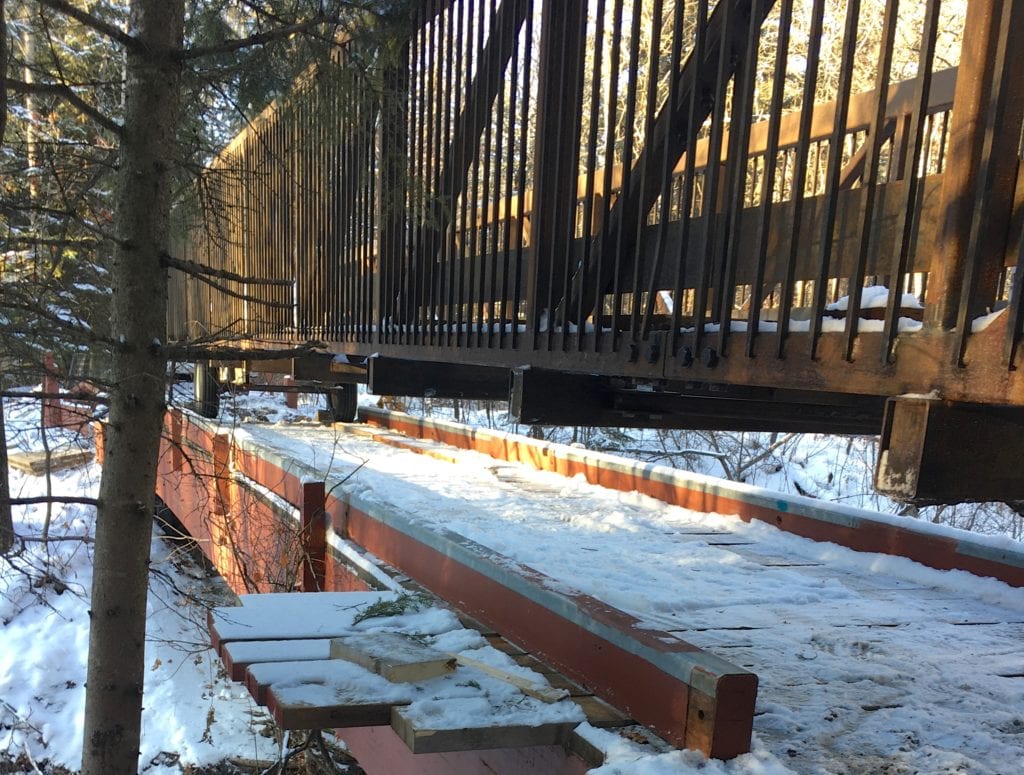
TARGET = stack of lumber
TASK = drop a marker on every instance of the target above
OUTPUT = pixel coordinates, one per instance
(350, 659)
(39, 462)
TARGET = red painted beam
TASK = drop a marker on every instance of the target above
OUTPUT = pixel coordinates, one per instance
(380, 749)
(314, 537)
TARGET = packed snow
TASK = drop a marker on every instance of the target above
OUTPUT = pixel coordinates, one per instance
(193, 715)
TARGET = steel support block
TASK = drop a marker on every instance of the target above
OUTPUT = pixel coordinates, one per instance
(935, 451)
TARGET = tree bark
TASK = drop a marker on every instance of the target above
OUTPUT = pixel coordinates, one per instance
(116, 668)
(6, 523)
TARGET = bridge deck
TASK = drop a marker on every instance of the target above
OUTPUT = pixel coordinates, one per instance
(863, 660)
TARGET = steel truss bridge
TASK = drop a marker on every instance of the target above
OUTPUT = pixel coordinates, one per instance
(739, 214)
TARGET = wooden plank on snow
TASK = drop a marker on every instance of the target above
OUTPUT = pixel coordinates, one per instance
(422, 739)
(35, 463)
(397, 657)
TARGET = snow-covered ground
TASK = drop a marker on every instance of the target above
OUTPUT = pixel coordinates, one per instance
(193, 715)
(868, 664)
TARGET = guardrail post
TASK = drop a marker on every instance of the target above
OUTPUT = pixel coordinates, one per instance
(174, 427)
(53, 417)
(982, 163)
(394, 143)
(220, 468)
(314, 536)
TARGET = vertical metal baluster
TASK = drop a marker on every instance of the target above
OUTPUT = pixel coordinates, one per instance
(835, 167)
(475, 197)
(371, 169)
(349, 193)
(668, 163)
(573, 72)
(495, 199)
(430, 256)
(456, 234)
(406, 269)
(411, 323)
(738, 158)
(507, 282)
(643, 214)
(552, 125)
(875, 139)
(589, 201)
(444, 250)
(799, 183)
(710, 205)
(627, 166)
(686, 195)
(526, 131)
(770, 170)
(359, 210)
(465, 312)
(615, 63)
(1006, 96)
(484, 200)
(908, 218)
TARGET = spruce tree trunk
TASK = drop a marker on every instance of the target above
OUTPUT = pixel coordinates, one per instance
(6, 524)
(6, 521)
(113, 706)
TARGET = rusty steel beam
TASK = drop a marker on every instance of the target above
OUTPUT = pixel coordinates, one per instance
(550, 397)
(934, 451)
(429, 379)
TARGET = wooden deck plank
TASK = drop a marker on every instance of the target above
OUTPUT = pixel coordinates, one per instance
(239, 655)
(425, 740)
(396, 657)
(35, 462)
(290, 715)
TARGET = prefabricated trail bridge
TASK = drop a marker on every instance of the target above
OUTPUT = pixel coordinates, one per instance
(647, 213)
(703, 628)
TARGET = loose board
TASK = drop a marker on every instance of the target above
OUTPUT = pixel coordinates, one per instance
(397, 657)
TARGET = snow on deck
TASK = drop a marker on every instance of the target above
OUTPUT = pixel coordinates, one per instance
(866, 661)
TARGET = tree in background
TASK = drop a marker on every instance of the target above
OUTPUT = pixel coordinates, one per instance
(6, 522)
(94, 157)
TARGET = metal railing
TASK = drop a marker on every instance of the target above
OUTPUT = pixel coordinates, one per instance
(641, 187)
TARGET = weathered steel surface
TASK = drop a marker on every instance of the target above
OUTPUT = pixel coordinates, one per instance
(505, 202)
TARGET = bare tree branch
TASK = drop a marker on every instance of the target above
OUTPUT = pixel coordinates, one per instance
(73, 242)
(202, 270)
(242, 296)
(3, 69)
(56, 319)
(259, 38)
(69, 96)
(52, 539)
(66, 499)
(88, 20)
(36, 395)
